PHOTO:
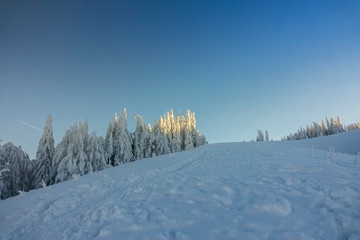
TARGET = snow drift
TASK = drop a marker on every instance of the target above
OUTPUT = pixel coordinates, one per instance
(259, 190)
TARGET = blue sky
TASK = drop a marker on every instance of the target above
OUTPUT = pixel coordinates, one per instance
(239, 65)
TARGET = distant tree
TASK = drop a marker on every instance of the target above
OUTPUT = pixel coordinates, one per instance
(260, 136)
(316, 130)
(266, 136)
(201, 140)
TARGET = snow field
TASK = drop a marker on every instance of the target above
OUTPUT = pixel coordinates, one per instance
(266, 190)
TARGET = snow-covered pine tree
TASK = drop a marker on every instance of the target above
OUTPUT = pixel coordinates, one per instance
(16, 171)
(328, 126)
(4, 172)
(147, 145)
(308, 132)
(189, 142)
(189, 130)
(167, 126)
(340, 125)
(201, 140)
(70, 156)
(174, 127)
(180, 121)
(323, 128)
(44, 156)
(123, 142)
(96, 152)
(149, 142)
(116, 158)
(260, 136)
(175, 144)
(84, 131)
(140, 138)
(109, 144)
(154, 142)
(160, 143)
(192, 121)
(332, 126)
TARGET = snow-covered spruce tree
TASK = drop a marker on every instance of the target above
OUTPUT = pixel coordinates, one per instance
(189, 140)
(173, 126)
(189, 143)
(160, 143)
(317, 132)
(323, 128)
(149, 143)
(109, 150)
(328, 127)
(266, 135)
(15, 167)
(171, 129)
(84, 131)
(70, 157)
(4, 171)
(175, 143)
(260, 136)
(96, 153)
(201, 140)
(140, 138)
(44, 156)
(4, 174)
(122, 142)
(115, 157)
(180, 121)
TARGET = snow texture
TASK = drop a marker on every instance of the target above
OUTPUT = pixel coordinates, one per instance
(258, 190)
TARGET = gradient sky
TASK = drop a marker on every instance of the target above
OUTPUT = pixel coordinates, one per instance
(239, 65)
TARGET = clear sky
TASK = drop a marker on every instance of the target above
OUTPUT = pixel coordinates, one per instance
(239, 65)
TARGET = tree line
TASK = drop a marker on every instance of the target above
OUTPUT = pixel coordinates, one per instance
(80, 153)
(329, 127)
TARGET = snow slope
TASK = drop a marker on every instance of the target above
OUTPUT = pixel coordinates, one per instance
(346, 142)
(259, 190)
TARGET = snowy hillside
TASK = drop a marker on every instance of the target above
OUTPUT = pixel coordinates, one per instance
(346, 142)
(259, 190)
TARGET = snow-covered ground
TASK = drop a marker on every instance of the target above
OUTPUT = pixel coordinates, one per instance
(346, 142)
(259, 190)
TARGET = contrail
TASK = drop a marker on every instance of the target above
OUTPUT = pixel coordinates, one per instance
(30, 125)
